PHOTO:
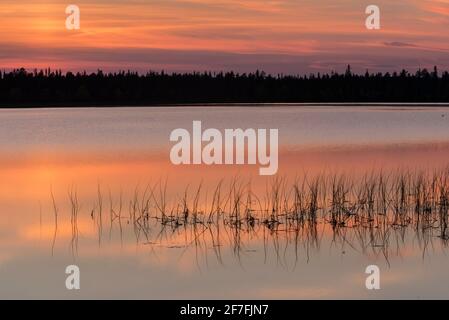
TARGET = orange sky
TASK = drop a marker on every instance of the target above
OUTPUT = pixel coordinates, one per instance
(290, 36)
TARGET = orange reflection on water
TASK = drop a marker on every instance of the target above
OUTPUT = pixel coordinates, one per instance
(103, 182)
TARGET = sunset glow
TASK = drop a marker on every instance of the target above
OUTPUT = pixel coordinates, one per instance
(276, 36)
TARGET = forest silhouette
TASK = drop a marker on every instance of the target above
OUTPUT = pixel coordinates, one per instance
(55, 88)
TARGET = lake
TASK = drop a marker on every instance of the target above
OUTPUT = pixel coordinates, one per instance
(94, 187)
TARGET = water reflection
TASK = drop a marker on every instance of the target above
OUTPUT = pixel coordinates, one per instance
(377, 213)
(95, 187)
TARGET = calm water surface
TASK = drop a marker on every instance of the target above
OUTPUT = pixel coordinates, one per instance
(110, 175)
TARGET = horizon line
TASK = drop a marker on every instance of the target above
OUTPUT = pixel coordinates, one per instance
(47, 71)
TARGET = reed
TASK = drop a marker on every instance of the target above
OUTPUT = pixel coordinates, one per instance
(55, 212)
(75, 208)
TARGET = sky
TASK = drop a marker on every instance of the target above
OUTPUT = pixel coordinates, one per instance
(277, 36)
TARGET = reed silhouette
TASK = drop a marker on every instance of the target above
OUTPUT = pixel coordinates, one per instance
(54, 88)
(369, 213)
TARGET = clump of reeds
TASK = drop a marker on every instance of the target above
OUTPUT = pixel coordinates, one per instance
(373, 205)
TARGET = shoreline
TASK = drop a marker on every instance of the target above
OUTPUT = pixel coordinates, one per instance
(236, 104)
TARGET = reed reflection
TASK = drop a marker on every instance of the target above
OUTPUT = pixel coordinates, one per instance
(379, 213)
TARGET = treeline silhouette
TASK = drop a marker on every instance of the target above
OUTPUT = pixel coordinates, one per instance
(54, 88)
